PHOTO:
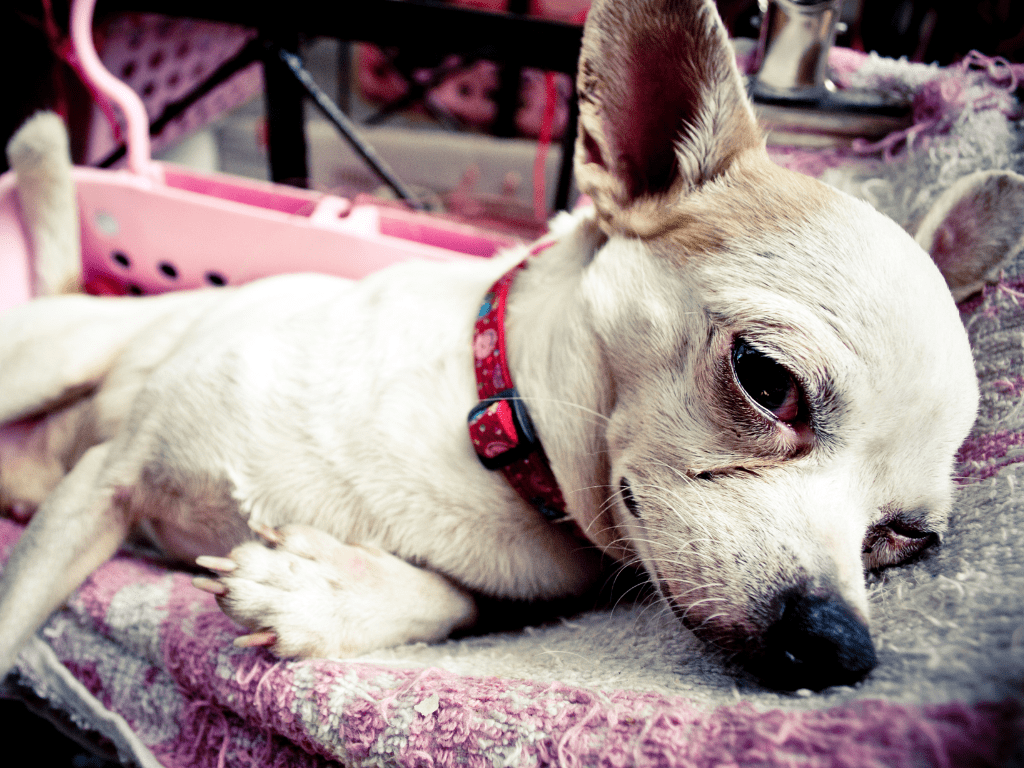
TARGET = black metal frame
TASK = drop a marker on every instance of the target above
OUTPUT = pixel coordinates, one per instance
(510, 39)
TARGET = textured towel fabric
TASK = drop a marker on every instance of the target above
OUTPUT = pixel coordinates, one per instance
(626, 687)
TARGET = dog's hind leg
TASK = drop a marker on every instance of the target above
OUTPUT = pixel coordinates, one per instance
(78, 527)
(36, 453)
(55, 349)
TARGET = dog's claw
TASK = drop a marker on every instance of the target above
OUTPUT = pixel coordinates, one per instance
(265, 532)
(212, 586)
(219, 564)
(256, 640)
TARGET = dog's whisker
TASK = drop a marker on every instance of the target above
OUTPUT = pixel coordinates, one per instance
(608, 504)
(694, 589)
(638, 540)
(680, 547)
(681, 543)
(702, 602)
(626, 597)
(559, 401)
(654, 614)
(676, 471)
(652, 611)
(678, 507)
(597, 487)
(593, 532)
(685, 557)
(702, 499)
(711, 618)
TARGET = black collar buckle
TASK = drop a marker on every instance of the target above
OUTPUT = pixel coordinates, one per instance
(501, 429)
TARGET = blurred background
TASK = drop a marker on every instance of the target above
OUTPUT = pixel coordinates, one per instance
(431, 111)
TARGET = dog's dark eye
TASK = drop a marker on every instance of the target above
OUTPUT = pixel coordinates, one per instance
(893, 542)
(766, 382)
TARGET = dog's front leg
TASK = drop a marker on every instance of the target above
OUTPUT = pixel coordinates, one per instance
(305, 594)
(76, 530)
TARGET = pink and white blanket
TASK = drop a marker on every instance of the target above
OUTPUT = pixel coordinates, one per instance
(143, 658)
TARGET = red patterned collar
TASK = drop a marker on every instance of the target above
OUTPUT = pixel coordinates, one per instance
(499, 425)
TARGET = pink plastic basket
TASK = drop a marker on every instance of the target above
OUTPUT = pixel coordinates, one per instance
(156, 227)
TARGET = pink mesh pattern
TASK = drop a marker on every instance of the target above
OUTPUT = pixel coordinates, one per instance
(163, 59)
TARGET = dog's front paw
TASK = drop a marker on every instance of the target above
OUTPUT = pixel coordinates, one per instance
(305, 594)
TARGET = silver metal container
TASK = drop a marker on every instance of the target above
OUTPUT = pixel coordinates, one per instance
(792, 53)
(794, 98)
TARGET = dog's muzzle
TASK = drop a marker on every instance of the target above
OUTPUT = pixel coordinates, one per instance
(818, 642)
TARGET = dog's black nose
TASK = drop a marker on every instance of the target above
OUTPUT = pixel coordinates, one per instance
(817, 643)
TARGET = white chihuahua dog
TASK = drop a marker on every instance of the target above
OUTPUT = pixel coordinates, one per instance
(749, 383)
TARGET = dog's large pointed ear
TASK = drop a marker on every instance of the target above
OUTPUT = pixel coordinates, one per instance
(975, 229)
(663, 108)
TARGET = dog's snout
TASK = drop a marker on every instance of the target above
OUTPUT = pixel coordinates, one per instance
(818, 642)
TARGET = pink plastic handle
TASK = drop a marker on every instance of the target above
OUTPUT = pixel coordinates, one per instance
(139, 161)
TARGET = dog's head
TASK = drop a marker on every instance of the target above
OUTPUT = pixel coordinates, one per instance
(789, 376)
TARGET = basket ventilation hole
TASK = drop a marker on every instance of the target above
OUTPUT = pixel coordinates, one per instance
(134, 290)
(121, 259)
(168, 269)
(215, 278)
